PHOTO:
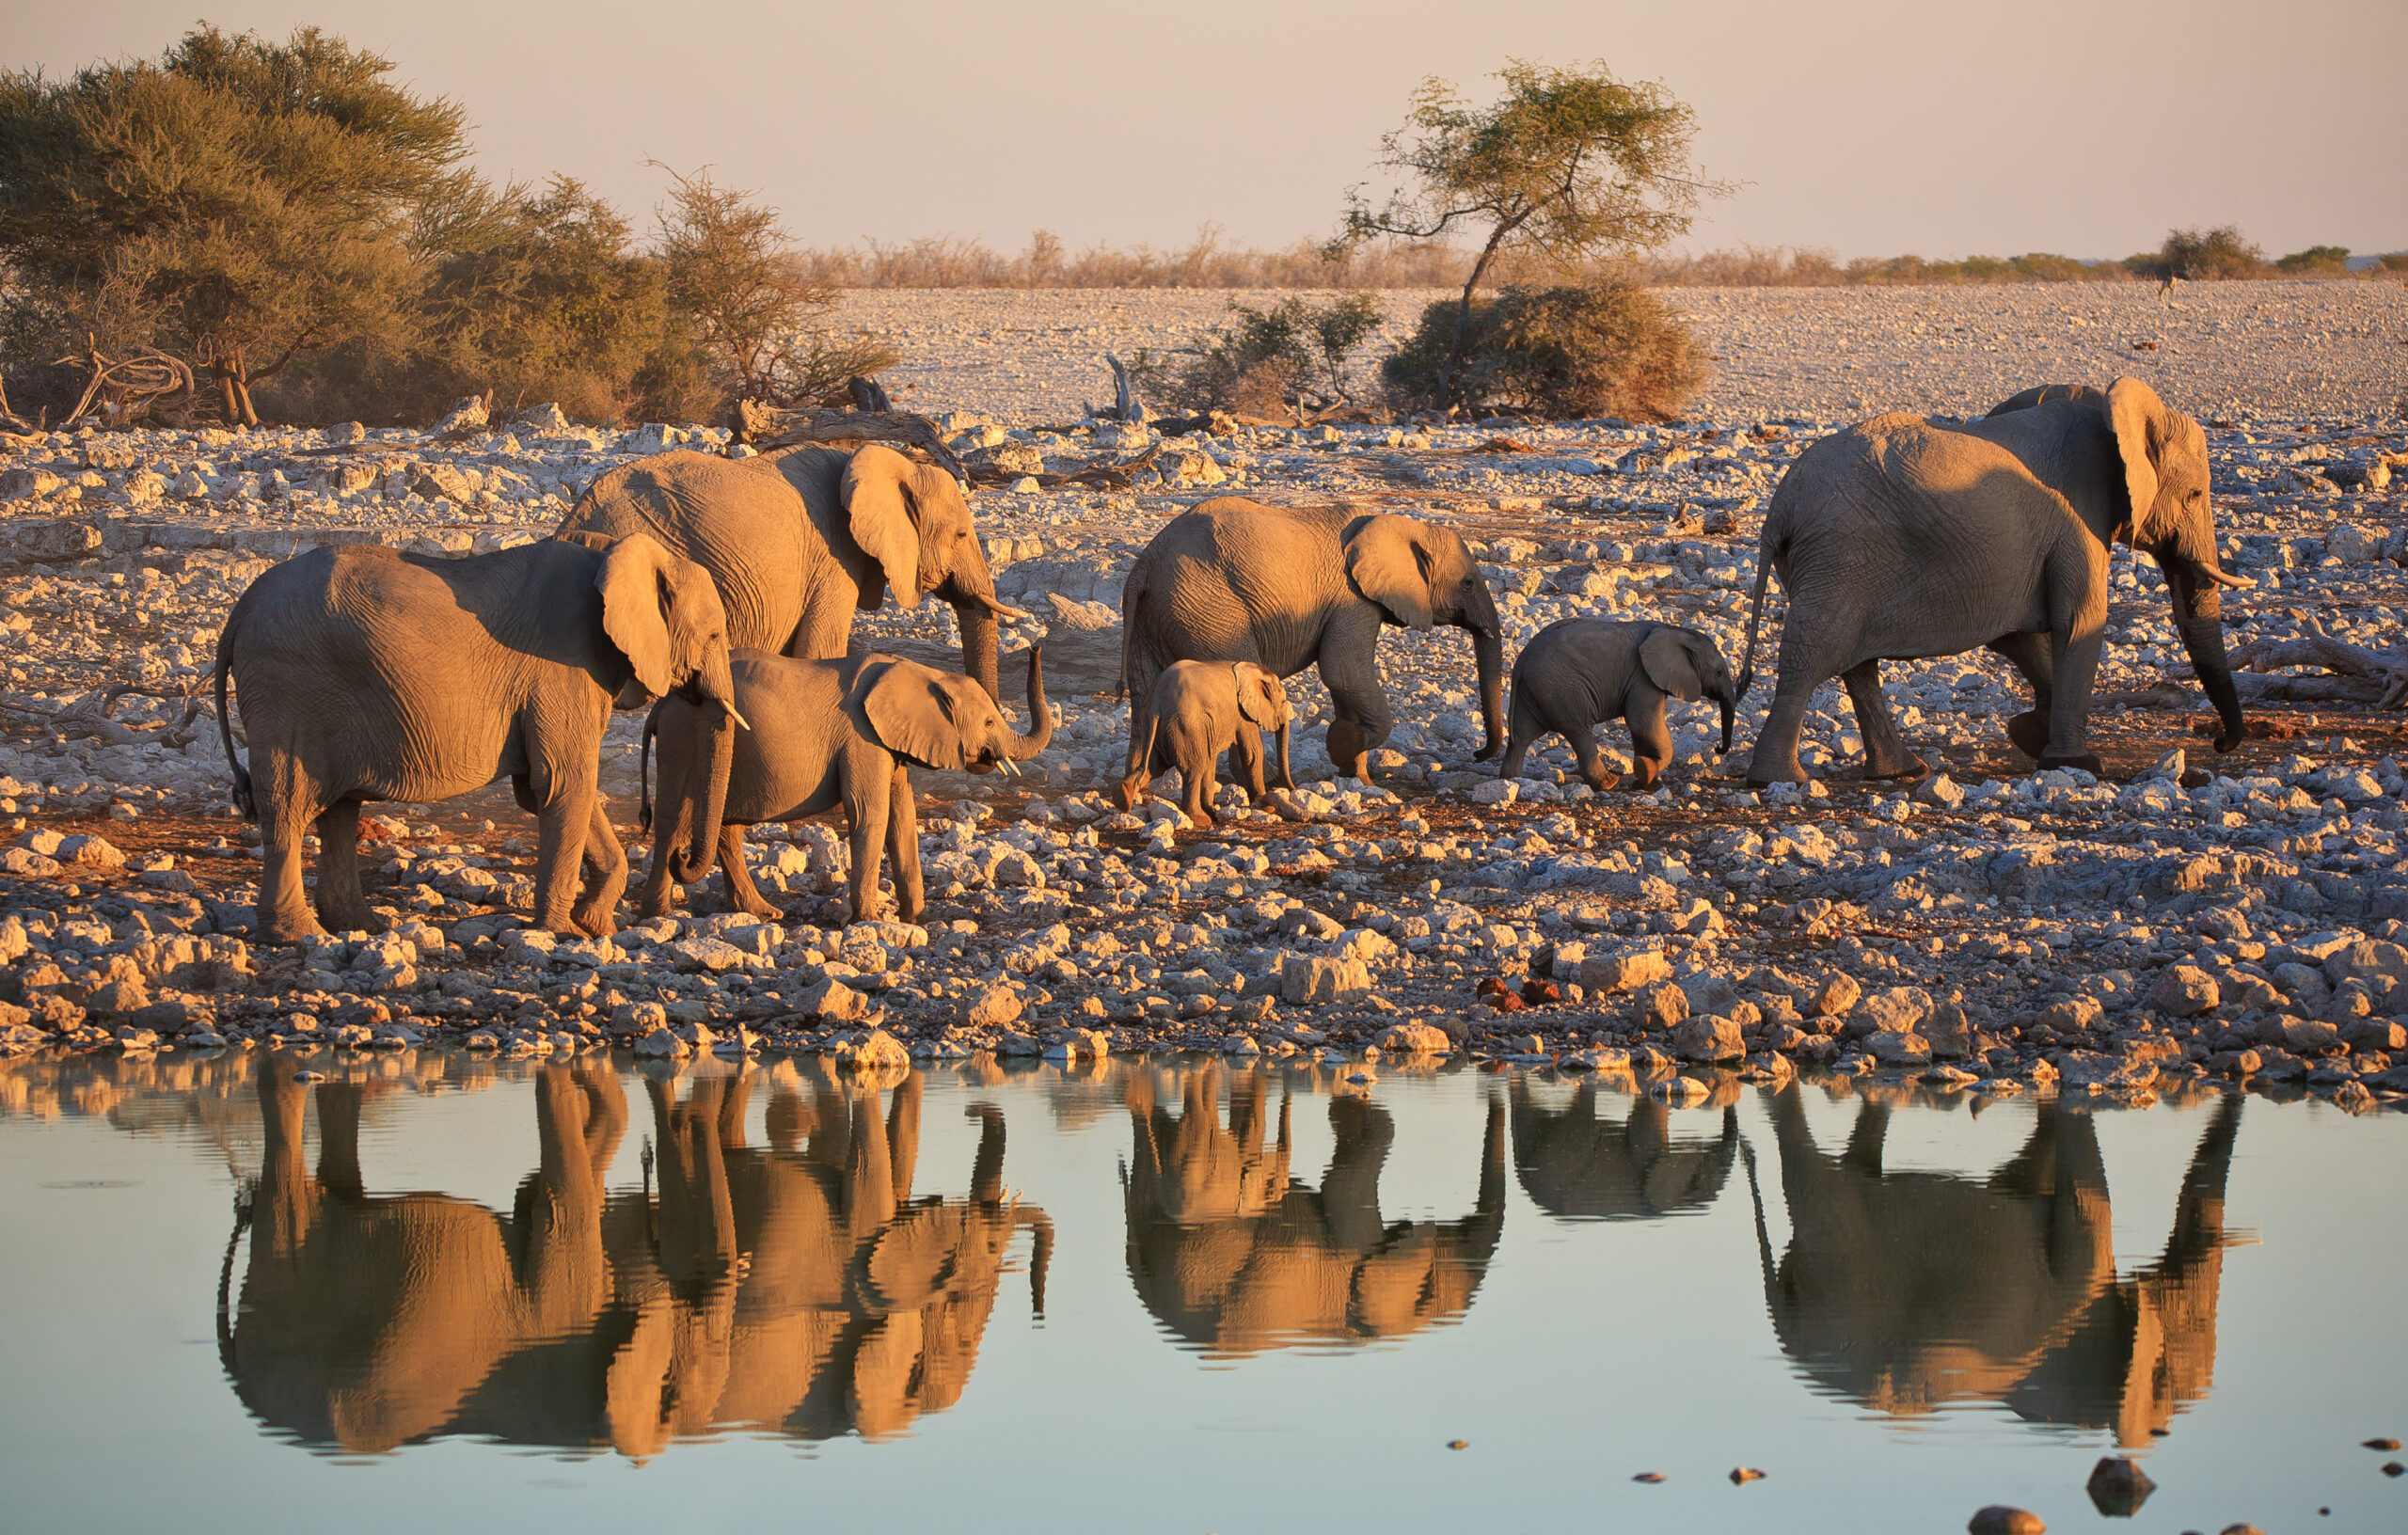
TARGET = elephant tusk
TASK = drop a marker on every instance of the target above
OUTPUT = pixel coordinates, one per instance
(741, 723)
(2238, 583)
(1005, 609)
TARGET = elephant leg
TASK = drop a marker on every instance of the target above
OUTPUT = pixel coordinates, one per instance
(1359, 718)
(1140, 671)
(742, 894)
(561, 828)
(1245, 763)
(868, 785)
(288, 804)
(342, 906)
(1650, 743)
(1885, 752)
(2029, 655)
(2078, 582)
(1523, 729)
(1591, 761)
(597, 909)
(1775, 758)
(825, 629)
(903, 846)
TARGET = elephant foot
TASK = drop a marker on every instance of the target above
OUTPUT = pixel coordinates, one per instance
(1639, 782)
(282, 932)
(597, 919)
(1124, 793)
(1910, 767)
(2087, 761)
(2029, 731)
(360, 921)
(1764, 775)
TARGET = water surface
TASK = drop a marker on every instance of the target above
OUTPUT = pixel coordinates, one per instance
(273, 1291)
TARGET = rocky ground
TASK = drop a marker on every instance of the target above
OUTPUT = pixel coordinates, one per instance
(1988, 931)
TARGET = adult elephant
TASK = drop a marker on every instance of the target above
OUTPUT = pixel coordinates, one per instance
(1578, 1167)
(1234, 1258)
(1901, 540)
(1292, 587)
(1906, 1291)
(799, 539)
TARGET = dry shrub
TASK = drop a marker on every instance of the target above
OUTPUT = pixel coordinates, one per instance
(1289, 359)
(1578, 351)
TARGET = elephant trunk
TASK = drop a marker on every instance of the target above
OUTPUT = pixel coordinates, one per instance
(978, 626)
(692, 862)
(1730, 701)
(1040, 714)
(1488, 654)
(2198, 618)
(1286, 779)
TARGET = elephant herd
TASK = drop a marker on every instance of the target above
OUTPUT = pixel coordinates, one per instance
(723, 591)
(803, 1289)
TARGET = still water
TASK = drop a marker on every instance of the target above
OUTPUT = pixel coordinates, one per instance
(259, 1292)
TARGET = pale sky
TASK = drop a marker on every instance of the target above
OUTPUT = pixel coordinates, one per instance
(1868, 127)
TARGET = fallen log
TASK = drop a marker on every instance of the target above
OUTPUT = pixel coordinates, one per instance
(808, 426)
(2383, 679)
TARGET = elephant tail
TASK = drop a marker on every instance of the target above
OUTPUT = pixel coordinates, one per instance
(644, 770)
(1755, 616)
(244, 800)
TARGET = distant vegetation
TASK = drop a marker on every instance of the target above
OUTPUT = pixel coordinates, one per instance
(281, 229)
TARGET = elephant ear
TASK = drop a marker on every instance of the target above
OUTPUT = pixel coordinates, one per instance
(913, 713)
(2138, 419)
(880, 516)
(1664, 655)
(1388, 559)
(1260, 695)
(638, 583)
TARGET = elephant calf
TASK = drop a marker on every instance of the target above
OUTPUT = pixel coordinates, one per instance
(822, 732)
(1198, 710)
(1579, 670)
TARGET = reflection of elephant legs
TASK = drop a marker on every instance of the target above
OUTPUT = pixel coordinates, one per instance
(1350, 1189)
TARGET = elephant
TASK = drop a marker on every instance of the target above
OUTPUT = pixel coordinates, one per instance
(1579, 671)
(1291, 587)
(1197, 710)
(822, 734)
(1234, 1258)
(1902, 539)
(799, 539)
(369, 674)
(800, 1290)
(1578, 1167)
(1905, 1291)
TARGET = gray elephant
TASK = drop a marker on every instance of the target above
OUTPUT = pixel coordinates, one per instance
(1292, 587)
(1198, 710)
(821, 734)
(1900, 540)
(368, 675)
(799, 539)
(1579, 671)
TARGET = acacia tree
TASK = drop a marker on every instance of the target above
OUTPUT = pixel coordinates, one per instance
(748, 300)
(239, 202)
(1567, 164)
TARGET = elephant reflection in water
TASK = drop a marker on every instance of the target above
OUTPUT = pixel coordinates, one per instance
(1578, 1167)
(1905, 1291)
(798, 1290)
(1231, 1254)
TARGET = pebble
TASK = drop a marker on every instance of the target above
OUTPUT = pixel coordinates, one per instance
(2005, 1519)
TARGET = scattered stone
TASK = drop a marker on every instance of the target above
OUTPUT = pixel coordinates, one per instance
(2004, 1519)
(2117, 1487)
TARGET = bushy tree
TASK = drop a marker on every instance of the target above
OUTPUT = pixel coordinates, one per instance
(1567, 166)
(2316, 261)
(1577, 352)
(2202, 255)
(1290, 359)
(238, 202)
(743, 290)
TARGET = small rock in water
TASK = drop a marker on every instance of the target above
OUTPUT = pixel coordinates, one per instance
(2244, 1527)
(1458, 1443)
(1742, 1475)
(2003, 1519)
(2382, 1445)
(1649, 1477)
(2119, 1488)
(2393, 1468)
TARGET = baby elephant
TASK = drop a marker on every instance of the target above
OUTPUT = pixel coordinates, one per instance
(823, 734)
(1578, 671)
(1201, 709)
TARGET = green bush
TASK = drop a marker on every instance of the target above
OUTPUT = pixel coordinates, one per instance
(2202, 256)
(1571, 352)
(1290, 359)
(2317, 261)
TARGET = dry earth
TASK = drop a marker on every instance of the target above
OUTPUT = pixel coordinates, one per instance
(1990, 931)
